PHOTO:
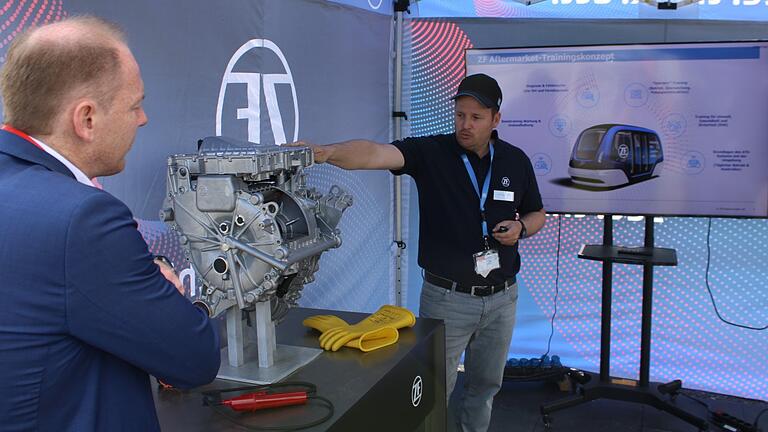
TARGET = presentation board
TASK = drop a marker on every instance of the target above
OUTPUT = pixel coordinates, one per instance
(657, 129)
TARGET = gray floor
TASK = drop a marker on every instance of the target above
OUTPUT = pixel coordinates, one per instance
(516, 408)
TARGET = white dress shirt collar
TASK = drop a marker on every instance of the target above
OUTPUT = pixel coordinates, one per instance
(79, 175)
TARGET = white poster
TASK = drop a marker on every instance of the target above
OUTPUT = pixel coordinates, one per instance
(675, 129)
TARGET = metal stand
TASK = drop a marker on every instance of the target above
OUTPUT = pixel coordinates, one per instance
(263, 362)
(590, 386)
(398, 115)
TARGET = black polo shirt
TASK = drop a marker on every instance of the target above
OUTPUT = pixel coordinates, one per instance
(450, 230)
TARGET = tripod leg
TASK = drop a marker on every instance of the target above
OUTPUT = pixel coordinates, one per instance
(547, 421)
(561, 404)
(696, 421)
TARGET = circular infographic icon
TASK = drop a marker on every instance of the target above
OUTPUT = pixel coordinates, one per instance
(636, 95)
(559, 125)
(542, 164)
(674, 125)
(693, 162)
(588, 96)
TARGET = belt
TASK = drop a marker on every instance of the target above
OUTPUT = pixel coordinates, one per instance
(475, 290)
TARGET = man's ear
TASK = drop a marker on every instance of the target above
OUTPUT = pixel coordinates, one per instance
(83, 119)
(496, 118)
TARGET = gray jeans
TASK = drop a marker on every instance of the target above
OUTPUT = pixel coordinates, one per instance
(483, 327)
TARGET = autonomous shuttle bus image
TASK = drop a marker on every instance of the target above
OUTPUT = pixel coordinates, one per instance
(610, 155)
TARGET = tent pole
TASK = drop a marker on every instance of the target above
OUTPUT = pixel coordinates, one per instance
(398, 134)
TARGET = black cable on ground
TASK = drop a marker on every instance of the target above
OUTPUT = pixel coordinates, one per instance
(555, 373)
(535, 372)
(709, 290)
(755, 424)
(557, 289)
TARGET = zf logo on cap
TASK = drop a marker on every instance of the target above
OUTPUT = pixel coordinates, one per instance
(258, 83)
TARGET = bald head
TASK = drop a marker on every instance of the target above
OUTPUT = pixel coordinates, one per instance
(49, 66)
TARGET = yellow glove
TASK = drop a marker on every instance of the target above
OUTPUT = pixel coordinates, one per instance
(368, 341)
(386, 316)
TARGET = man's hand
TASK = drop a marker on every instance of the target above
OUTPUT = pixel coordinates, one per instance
(356, 154)
(507, 232)
(321, 153)
(170, 274)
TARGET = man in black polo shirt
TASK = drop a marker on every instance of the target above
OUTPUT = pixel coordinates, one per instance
(477, 197)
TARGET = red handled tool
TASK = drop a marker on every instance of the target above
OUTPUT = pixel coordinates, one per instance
(262, 400)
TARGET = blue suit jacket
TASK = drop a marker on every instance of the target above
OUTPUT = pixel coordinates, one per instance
(85, 314)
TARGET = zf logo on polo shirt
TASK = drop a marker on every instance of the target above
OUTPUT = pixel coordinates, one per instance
(242, 87)
(502, 195)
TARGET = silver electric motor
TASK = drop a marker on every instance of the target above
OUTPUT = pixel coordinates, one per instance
(249, 225)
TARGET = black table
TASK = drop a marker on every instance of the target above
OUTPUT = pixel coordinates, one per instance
(370, 391)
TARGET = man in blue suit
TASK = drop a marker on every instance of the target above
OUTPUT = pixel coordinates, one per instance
(85, 314)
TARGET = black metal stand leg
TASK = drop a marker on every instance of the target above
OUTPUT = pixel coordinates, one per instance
(549, 408)
(646, 320)
(605, 321)
(680, 413)
(564, 403)
(603, 388)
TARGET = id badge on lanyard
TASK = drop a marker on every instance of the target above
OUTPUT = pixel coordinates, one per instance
(487, 260)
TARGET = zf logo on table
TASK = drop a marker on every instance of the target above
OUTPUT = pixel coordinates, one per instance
(258, 68)
(416, 390)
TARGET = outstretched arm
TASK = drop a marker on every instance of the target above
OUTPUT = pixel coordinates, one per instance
(357, 154)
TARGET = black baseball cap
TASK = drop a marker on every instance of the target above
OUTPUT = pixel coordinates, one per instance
(481, 87)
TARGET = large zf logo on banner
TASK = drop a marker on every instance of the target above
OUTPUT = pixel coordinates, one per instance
(256, 83)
